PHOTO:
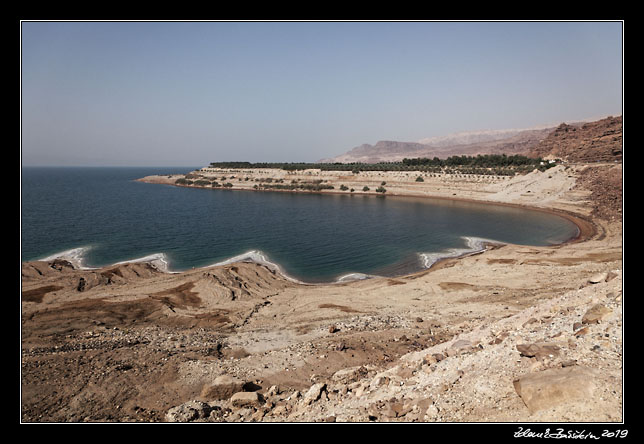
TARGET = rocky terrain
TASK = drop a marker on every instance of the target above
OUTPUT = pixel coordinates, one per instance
(599, 141)
(515, 334)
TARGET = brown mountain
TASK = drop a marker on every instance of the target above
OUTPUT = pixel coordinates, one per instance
(598, 141)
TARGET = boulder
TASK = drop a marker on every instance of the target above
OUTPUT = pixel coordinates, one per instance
(595, 314)
(60, 264)
(597, 278)
(247, 399)
(223, 387)
(528, 350)
(554, 387)
(314, 393)
(274, 390)
(189, 411)
(582, 332)
(539, 350)
(393, 410)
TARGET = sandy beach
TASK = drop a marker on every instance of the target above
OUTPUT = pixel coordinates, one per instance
(513, 334)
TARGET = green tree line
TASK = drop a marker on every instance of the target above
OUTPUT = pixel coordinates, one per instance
(414, 164)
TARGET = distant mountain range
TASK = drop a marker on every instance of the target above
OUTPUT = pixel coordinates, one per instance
(529, 142)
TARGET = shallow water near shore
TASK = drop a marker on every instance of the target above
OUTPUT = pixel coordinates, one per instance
(102, 216)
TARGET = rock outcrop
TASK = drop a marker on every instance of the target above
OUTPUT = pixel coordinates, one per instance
(554, 387)
(566, 377)
(599, 141)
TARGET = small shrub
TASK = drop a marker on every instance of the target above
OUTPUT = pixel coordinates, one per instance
(420, 179)
(344, 187)
(365, 188)
(381, 190)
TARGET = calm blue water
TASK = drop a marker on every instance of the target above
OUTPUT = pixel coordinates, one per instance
(314, 238)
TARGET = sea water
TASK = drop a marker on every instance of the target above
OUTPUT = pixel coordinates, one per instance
(103, 216)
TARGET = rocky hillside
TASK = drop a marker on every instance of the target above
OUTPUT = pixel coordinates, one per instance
(559, 360)
(605, 184)
(599, 141)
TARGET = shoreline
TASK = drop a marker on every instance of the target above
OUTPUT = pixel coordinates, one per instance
(587, 229)
(404, 349)
(161, 264)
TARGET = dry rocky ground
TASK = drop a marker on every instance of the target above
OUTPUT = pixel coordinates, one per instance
(515, 334)
(591, 142)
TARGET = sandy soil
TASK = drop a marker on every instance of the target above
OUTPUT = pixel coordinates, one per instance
(132, 343)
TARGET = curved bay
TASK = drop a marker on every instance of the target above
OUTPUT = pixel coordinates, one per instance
(313, 237)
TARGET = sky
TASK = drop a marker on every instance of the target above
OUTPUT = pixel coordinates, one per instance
(191, 93)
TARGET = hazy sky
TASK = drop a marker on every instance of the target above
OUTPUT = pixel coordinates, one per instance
(189, 93)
